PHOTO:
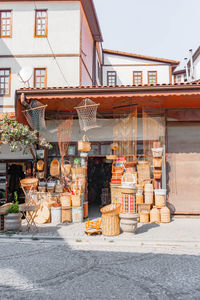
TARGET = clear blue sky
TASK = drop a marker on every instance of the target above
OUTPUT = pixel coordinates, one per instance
(163, 28)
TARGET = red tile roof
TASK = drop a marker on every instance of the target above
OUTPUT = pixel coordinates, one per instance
(152, 58)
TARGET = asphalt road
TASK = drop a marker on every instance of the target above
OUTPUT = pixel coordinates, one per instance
(55, 270)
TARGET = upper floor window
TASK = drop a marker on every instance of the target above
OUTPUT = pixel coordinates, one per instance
(152, 77)
(6, 23)
(40, 78)
(111, 78)
(178, 78)
(137, 77)
(4, 82)
(41, 23)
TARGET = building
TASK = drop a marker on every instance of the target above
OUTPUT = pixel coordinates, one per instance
(121, 68)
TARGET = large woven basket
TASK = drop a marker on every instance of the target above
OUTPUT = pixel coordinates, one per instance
(110, 225)
(111, 209)
(66, 214)
(55, 168)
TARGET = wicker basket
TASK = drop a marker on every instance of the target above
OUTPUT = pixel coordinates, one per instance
(59, 188)
(55, 168)
(157, 174)
(110, 220)
(65, 199)
(84, 145)
(143, 169)
(159, 201)
(155, 215)
(139, 199)
(5, 207)
(144, 217)
(40, 165)
(157, 152)
(76, 199)
(76, 171)
(128, 203)
(157, 162)
(148, 197)
(66, 168)
(29, 183)
(128, 180)
(165, 214)
(66, 214)
(42, 189)
(116, 193)
(111, 157)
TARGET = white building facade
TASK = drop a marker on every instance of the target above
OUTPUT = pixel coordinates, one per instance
(59, 40)
(121, 68)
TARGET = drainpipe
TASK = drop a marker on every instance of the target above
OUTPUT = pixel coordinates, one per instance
(191, 65)
(186, 68)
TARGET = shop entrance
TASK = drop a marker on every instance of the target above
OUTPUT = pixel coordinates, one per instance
(99, 177)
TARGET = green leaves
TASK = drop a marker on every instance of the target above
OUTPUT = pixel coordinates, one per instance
(19, 137)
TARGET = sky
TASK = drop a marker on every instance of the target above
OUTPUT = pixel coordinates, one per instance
(161, 28)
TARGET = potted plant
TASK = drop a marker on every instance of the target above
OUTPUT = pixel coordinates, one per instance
(13, 218)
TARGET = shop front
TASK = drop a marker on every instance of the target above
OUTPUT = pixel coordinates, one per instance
(137, 119)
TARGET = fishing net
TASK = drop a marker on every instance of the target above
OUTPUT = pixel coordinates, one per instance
(64, 132)
(36, 115)
(87, 111)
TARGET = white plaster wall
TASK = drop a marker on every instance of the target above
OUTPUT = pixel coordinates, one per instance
(125, 66)
(125, 73)
(63, 28)
(70, 67)
(197, 68)
(114, 59)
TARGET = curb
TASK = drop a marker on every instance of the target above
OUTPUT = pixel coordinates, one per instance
(105, 241)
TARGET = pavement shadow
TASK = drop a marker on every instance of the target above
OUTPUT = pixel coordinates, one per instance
(146, 227)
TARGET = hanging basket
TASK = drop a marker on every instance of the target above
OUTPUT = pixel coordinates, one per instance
(40, 165)
(66, 168)
(157, 162)
(55, 168)
(157, 174)
(114, 146)
(84, 145)
(40, 175)
(157, 152)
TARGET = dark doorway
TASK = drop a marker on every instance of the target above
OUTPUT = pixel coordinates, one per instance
(99, 177)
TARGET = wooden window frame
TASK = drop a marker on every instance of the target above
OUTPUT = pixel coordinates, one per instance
(11, 18)
(46, 27)
(156, 76)
(9, 82)
(108, 78)
(141, 73)
(34, 77)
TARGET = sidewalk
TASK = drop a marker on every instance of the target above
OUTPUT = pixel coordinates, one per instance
(178, 232)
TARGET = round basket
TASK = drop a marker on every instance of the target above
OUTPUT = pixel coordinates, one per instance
(111, 209)
(110, 225)
(29, 183)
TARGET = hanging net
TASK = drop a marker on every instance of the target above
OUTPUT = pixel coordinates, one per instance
(64, 132)
(125, 133)
(87, 111)
(36, 115)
